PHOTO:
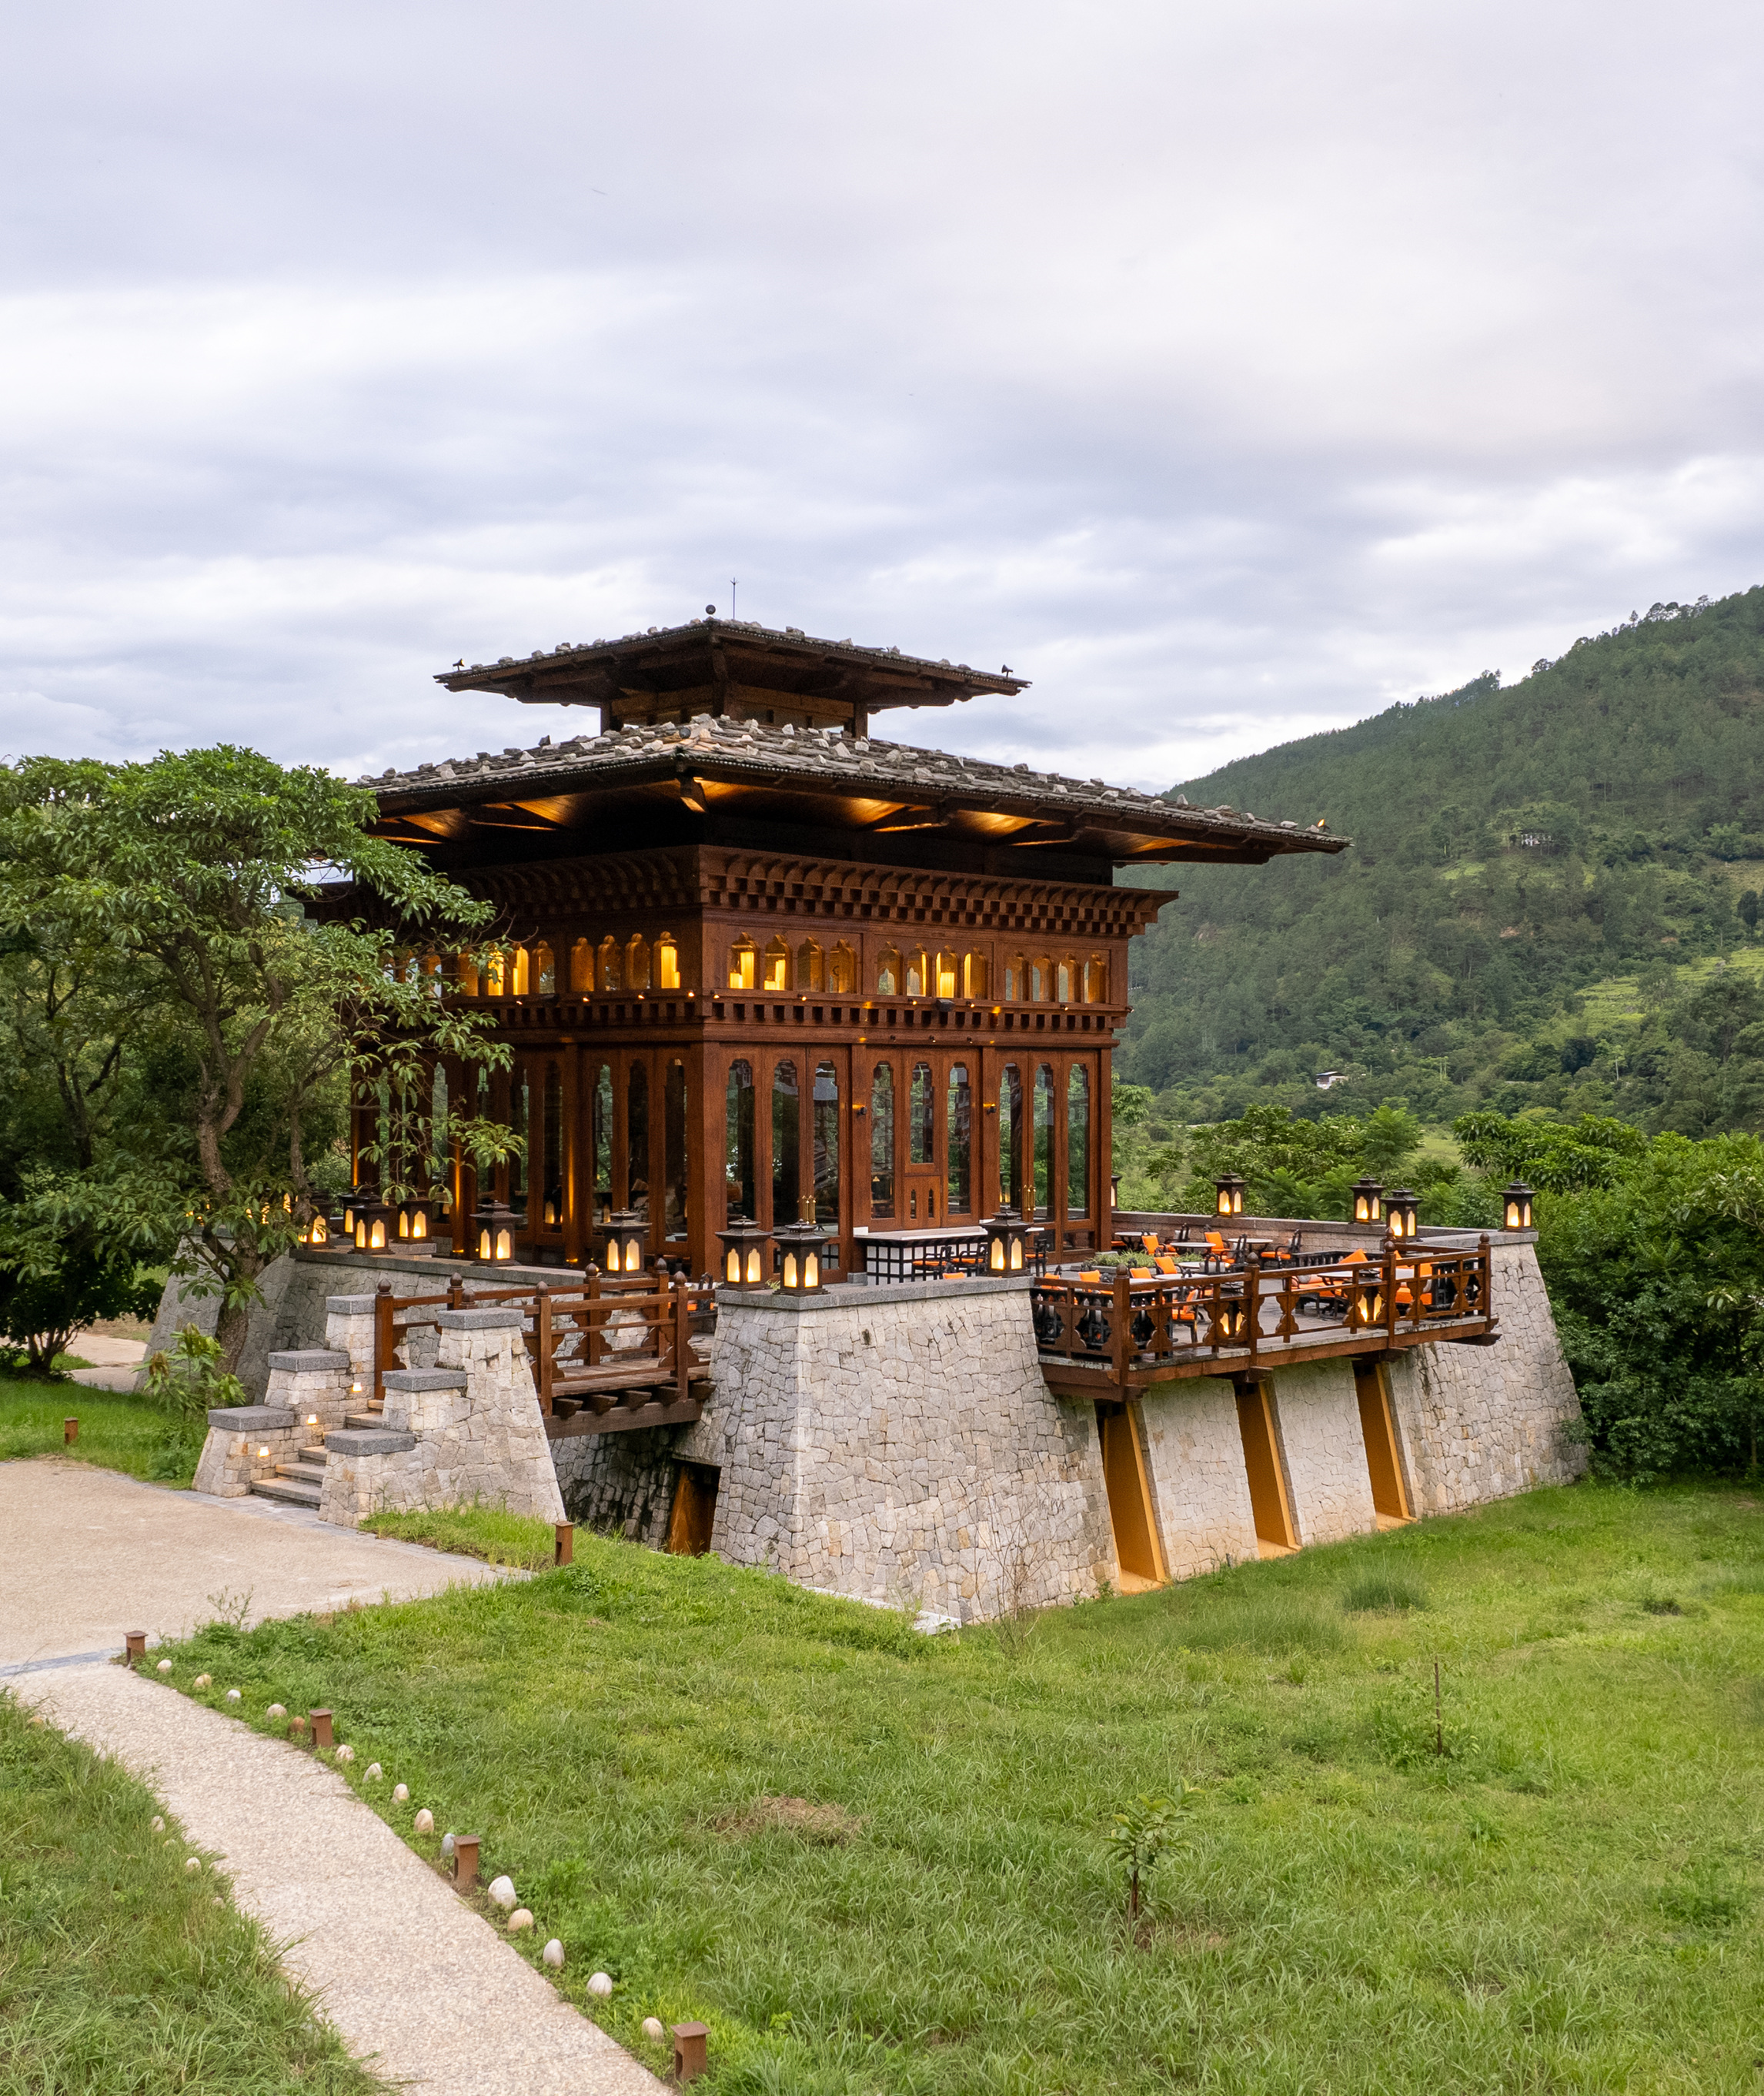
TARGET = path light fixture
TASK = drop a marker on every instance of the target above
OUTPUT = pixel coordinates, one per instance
(1368, 1200)
(691, 2042)
(493, 1226)
(1007, 1241)
(1516, 1206)
(802, 1253)
(626, 1229)
(1228, 1195)
(374, 1218)
(1402, 1212)
(743, 1249)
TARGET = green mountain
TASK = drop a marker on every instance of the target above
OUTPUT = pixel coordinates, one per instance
(1552, 901)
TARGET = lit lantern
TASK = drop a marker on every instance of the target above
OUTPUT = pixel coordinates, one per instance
(372, 1218)
(1402, 1212)
(493, 1224)
(1368, 1201)
(1228, 1197)
(743, 1253)
(317, 1231)
(1517, 1202)
(419, 1222)
(1006, 1241)
(552, 1213)
(625, 1231)
(803, 1255)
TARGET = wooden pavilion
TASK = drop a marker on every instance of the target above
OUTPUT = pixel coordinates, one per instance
(752, 957)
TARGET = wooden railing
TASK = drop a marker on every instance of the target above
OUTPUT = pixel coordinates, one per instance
(605, 1348)
(1134, 1332)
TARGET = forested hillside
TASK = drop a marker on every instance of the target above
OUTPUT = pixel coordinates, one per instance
(1552, 900)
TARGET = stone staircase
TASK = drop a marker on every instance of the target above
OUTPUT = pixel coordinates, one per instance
(302, 1481)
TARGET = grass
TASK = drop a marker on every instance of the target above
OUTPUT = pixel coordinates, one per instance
(498, 1537)
(119, 1972)
(118, 1431)
(875, 1862)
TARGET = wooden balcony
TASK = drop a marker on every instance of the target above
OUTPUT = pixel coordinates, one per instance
(1108, 1338)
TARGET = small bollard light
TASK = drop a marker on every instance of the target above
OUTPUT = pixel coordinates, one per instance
(322, 1727)
(566, 1533)
(465, 1862)
(70, 1432)
(689, 2043)
(134, 1645)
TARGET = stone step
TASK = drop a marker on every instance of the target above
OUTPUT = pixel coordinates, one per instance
(360, 1419)
(292, 1491)
(313, 1457)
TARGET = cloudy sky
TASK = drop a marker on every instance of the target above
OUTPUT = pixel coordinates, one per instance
(1230, 370)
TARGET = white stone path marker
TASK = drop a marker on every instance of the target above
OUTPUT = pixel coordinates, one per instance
(417, 1985)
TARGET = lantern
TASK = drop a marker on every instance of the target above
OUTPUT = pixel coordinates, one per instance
(1517, 1202)
(318, 1230)
(1229, 1198)
(374, 1218)
(802, 1253)
(1402, 1212)
(494, 1223)
(626, 1230)
(1006, 1240)
(743, 1253)
(413, 1223)
(1368, 1201)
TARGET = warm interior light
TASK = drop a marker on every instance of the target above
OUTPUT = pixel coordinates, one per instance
(419, 1224)
(484, 1244)
(349, 1221)
(1224, 1202)
(551, 1216)
(361, 1236)
(631, 1256)
(1512, 1215)
(811, 1270)
(504, 1245)
(311, 1419)
(735, 1264)
(997, 1261)
(404, 1222)
(1017, 1254)
(377, 1243)
(790, 1270)
(752, 1263)
(318, 1235)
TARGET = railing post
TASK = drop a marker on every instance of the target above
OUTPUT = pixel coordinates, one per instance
(1252, 1299)
(683, 1333)
(1487, 1266)
(1119, 1336)
(542, 1344)
(456, 1292)
(382, 1338)
(1389, 1289)
(596, 1339)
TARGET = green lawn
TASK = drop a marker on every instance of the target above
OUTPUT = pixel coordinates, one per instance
(120, 1432)
(498, 1537)
(1567, 1900)
(119, 1975)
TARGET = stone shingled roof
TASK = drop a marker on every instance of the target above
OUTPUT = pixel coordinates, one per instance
(747, 751)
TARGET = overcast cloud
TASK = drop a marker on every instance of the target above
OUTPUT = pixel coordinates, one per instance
(1228, 371)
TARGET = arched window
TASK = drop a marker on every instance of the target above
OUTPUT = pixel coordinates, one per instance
(545, 970)
(1096, 979)
(674, 1151)
(842, 971)
(610, 968)
(582, 966)
(922, 1118)
(465, 975)
(1062, 981)
(637, 1138)
(738, 1144)
(947, 974)
(1044, 1139)
(786, 1137)
(1078, 1142)
(603, 1144)
(811, 967)
(742, 964)
(637, 961)
(667, 963)
(977, 976)
(826, 1144)
(918, 975)
(494, 972)
(1010, 1137)
(882, 1141)
(960, 1140)
(552, 1175)
(1016, 983)
(1041, 978)
(777, 967)
(887, 973)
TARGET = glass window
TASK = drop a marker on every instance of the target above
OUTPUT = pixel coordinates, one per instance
(1096, 979)
(977, 976)
(826, 1144)
(777, 967)
(842, 971)
(882, 1141)
(551, 1130)
(742, 962)
(1078, 1142)
(545, 969)
(637, 1138)
(888, 974)
(582, 966)
(611, 966)
(603, 1144)
(667, 963)
(922, 1118)
(1062, 981)
(917, 976)
(945, 975)
(738, 1144)
(1016, 980)
(811, 967)
(959, 1131)
(786, 1136)
(1040, 975)
(674, 1147)
(636, 963)
(519, 972)
(1010, 1137)
(1044, 1139)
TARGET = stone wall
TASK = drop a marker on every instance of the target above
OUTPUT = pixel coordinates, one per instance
(1323, 1450)
(1200, 1490)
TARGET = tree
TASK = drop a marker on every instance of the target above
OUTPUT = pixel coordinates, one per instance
(239, 949)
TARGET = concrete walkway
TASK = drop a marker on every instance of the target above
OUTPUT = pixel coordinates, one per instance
(416, 1983)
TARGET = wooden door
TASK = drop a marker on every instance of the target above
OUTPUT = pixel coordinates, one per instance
(695, 1510)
